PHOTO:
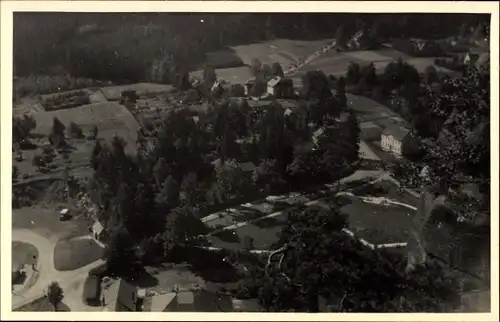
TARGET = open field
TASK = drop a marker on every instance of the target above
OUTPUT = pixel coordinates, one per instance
(110, 118)
(235, 75)
(64, 253)
(337, 63)
(43, 219)
(283, 51)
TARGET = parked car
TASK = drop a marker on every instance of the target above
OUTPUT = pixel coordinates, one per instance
(64, 215)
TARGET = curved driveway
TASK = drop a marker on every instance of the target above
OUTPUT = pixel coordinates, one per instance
(46, 270)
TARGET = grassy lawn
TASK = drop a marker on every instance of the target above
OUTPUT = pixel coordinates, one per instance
(264, 233)
(391, 224)
(24, 253)
(44, 220)
(75, 253)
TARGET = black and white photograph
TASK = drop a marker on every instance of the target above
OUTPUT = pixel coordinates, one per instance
(307, 162)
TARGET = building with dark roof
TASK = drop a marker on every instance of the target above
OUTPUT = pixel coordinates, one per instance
(127, 299)
(280, 87)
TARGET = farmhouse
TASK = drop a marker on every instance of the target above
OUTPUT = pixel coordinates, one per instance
(280, 87)
(398, 140)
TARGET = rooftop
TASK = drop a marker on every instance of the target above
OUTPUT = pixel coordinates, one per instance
(398, 132)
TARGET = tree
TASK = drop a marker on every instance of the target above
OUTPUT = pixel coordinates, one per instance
(96, 153)
(256, 67)
(75, 130)
(340, 94)
(430, 75)
(237, 90)
(340, 37)
(230, 178)
(161, 170)
(57, 137)
(182, 228)
(353, 73)
(277, 70)
(38, 161)
(355, 279)
(15, 173)
(315, 85)
(267, 71)
(209, 76)
(369, 74)
(55, 294)
(120, 254)
(169, 195)
(189, 187)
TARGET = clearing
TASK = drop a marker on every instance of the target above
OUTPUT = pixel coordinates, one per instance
(87, 250)
(43, 219)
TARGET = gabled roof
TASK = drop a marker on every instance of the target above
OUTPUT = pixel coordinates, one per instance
(127, 295)
(397, 132)
(274, 81)
(160, 302)
(97, 227)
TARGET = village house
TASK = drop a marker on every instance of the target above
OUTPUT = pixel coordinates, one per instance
(280, 87)
(398, 140)
(128, 298)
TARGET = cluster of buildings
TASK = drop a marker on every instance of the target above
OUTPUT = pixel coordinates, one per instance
(125, 297)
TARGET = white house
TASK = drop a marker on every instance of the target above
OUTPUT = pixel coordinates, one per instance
(398, 140)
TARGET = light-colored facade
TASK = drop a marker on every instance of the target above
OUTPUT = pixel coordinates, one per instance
(395, 140)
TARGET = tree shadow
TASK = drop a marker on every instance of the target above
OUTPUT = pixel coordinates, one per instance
(145, 279)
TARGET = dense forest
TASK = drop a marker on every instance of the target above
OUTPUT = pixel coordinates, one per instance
(108, 46)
